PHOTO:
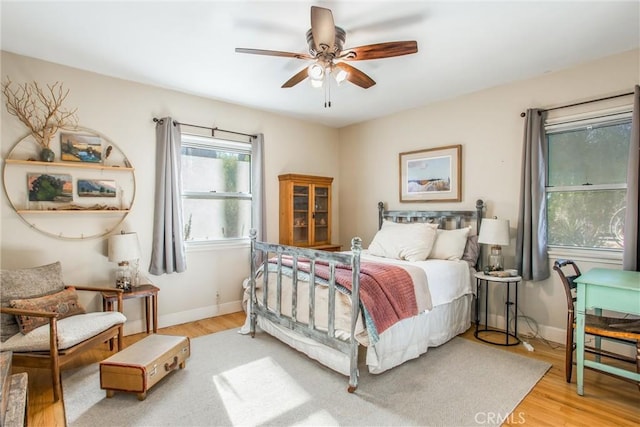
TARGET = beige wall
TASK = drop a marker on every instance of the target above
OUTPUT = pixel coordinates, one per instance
(486, 123)
(123, 112)
(488, 126)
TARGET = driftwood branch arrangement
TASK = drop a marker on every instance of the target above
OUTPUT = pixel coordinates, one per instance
(39, 109)
(74, 207)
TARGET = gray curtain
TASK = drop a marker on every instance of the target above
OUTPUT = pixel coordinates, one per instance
(531, 241)
(259, 222)
(631, 256)
(168, 252)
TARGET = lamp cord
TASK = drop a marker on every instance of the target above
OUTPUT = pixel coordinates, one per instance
(533, 327)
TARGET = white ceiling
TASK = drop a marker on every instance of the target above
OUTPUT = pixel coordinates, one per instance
(189, 46)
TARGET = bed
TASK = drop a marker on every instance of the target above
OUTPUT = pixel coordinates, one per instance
(410, 290)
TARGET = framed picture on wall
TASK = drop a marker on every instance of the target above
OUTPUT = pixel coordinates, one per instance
(432, 175)
(96, 188)
(76, 147)
(49, 187)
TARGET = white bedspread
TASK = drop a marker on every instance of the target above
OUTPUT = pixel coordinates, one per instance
(446, 280)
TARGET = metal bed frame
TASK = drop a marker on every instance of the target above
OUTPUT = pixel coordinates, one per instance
(262, 251)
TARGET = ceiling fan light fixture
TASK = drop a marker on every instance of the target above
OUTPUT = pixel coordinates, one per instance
(316, 72)
(339, 74)
(316, 83)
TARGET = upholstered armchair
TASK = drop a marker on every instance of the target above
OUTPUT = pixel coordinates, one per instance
(45, 326)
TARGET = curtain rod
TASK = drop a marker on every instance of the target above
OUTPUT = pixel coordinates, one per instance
(582, 103)
(213, 130)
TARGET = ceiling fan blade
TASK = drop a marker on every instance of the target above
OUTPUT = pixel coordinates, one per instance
(322, 28)
(273, 53)
(356, 76)
(300, 76)
(379, 50)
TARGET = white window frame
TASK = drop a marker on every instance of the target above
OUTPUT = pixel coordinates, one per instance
(212, 143)
(578, 121)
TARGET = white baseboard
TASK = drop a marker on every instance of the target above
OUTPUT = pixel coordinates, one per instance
(530, 328)
(171, 319)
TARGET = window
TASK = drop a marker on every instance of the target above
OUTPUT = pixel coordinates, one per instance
(587, 181)
(216, 189)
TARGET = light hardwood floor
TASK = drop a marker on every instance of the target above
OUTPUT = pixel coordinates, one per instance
(607, 402)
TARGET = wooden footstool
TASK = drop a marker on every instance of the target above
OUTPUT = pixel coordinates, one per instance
(140, 366)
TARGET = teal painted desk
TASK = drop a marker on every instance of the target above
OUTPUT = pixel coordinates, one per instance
(606, 289)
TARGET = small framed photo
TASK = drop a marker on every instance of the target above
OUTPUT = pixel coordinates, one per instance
(76, 147)
(96, 188)
(50, 187)
(432, 175)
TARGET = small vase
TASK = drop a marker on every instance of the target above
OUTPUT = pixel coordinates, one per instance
(47, 155)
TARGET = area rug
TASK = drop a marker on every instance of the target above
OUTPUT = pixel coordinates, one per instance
(234, 380)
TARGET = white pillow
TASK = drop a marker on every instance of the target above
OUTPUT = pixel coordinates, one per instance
(450, 244)
(406, 241)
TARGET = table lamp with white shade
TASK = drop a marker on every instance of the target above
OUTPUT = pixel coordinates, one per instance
(124, 248)
(494, 232)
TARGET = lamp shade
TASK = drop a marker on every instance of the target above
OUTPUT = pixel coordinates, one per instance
(124, 247)
(494, 231)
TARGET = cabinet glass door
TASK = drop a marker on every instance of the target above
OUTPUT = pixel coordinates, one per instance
(301, 215)
(321, 215)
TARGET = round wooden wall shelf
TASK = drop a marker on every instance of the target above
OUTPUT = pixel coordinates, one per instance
(86, 192)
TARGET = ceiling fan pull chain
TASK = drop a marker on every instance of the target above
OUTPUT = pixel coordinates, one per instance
(327, 91)
(325, 94)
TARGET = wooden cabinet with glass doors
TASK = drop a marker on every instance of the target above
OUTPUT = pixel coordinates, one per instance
(305, 211)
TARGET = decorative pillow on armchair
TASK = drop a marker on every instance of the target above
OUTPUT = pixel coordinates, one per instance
(65, 303)
(26, 283)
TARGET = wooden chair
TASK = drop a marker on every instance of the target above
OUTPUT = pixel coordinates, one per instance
(617, 329)
(65, 338)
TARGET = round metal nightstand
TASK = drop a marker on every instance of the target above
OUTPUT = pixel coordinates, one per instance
(510, 338)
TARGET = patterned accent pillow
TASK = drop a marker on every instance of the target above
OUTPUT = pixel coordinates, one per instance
(65, 303)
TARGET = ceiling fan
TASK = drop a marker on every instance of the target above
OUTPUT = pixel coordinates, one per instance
(326, 50)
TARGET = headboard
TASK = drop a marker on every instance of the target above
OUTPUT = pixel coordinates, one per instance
(457, 219)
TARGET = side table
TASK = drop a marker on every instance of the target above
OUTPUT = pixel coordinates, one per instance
(146, 291)
(510, 338)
